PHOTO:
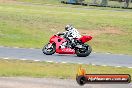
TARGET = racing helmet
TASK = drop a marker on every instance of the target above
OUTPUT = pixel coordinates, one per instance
(68, 27)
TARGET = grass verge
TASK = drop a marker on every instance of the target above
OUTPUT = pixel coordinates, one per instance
(26, 25)
(15, 68)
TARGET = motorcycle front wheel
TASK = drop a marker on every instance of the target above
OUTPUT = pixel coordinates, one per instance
(49, 50)
(85, 51)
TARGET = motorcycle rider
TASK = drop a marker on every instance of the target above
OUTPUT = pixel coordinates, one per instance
(70, 34)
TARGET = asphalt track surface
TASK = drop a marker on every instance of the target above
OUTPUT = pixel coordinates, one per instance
(94, 59)
(12, 82)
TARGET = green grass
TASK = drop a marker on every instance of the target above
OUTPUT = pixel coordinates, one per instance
(15, 68)
(26, 25)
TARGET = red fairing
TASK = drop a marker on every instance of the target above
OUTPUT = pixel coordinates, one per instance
(54, 39)
(65, 51)
(57, 40)
(85, 38)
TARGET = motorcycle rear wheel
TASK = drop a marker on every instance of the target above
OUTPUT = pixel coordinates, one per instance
(49, 51)
(84, 53)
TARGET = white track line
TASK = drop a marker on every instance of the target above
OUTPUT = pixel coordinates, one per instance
(93, 64)
(118, 66)
(31, 48)
(120, 54)
(1, 46)
(129, 67)
(104, 65)
(49, 61)
(63, 62)
(6, 58)
(15, 47)
(80, 63)
(107, 53)
(36, 60)
(24, 59)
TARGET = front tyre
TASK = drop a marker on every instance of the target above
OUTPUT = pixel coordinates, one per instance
(49, 49)
(84, 51)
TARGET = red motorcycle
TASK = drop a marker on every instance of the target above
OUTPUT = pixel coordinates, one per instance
(79, 48)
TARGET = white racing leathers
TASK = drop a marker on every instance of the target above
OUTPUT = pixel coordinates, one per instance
(73, 33)
(70, 36)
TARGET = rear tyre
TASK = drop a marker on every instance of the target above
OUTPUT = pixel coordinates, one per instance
(49, 50)
(85, 51)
